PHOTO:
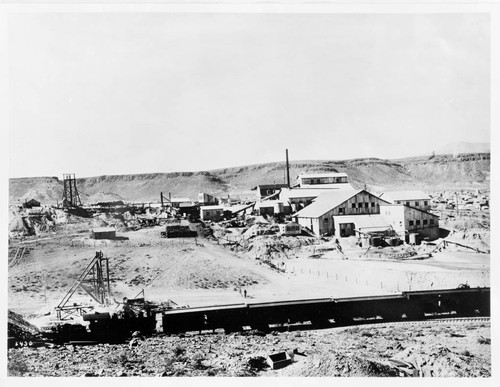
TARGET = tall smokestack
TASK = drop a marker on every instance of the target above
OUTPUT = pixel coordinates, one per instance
(287, 170)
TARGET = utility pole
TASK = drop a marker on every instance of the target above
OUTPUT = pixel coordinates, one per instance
(287, 171)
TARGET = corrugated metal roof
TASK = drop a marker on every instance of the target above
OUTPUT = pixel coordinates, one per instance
(404, 195)
(325, 202)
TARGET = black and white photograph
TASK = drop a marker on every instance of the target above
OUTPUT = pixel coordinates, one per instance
(214, 190)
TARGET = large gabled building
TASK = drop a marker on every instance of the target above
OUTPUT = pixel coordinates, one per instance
(342, 212)
(310, 186)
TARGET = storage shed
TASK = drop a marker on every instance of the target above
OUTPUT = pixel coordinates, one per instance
(214, 213)
(291, 228)
(269, 207)
(104, 233)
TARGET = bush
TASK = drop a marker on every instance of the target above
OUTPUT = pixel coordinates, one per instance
(179, 350)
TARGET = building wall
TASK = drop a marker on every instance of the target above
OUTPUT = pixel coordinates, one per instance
(212, 214)
(363, 203)
(291, 228)
(395, 215)
(407, 219)
(105, 235)
(424, 205)
(310, 223)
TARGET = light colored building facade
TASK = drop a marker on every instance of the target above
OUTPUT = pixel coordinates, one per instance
(214, 213)
(408, 220)
(335, 213)
(269, 207)
(291, 228)
(324, 180)
(416, 199)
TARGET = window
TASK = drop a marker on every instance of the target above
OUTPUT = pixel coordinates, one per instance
(416, 204)
(411, 222)
(425, 222)
(398, 202)
(431, 221)
(325, 220)
(373, 204)
(360, 205)
(366, 205)
(353, 205)
(425, 202)
(418, 222)
(341, 210)
(407, 203)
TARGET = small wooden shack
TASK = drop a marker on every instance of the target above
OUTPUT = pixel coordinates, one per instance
(290, 228)
(104, 233)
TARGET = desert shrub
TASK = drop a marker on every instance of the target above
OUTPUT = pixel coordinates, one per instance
(118, 358)
(179, 350)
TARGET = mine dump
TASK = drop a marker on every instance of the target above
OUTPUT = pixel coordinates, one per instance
(313, 276)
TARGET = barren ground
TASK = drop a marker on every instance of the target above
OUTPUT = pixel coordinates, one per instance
(201, 272)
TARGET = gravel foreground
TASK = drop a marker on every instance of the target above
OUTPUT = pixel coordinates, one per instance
(439, 349)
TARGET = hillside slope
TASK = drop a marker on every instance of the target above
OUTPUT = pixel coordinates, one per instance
(427, 173)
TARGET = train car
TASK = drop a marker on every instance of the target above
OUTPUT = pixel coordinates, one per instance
(387, 307)
(321, 311)
(462, 302)
(261, 315)
(229, 317)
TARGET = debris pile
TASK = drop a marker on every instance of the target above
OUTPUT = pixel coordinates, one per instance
(340, 352)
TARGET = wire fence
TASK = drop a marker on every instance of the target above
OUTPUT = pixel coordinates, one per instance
(349, 279)
(100, 243)
(390, 281)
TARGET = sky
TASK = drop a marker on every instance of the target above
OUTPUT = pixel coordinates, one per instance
(122, 93)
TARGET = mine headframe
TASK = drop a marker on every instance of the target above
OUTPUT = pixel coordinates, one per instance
(94, 281)
(71, 198)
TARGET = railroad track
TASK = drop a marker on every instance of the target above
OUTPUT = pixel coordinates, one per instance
(431, 320)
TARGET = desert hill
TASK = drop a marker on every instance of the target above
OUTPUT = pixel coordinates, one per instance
(427, 172)
(464, 147)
